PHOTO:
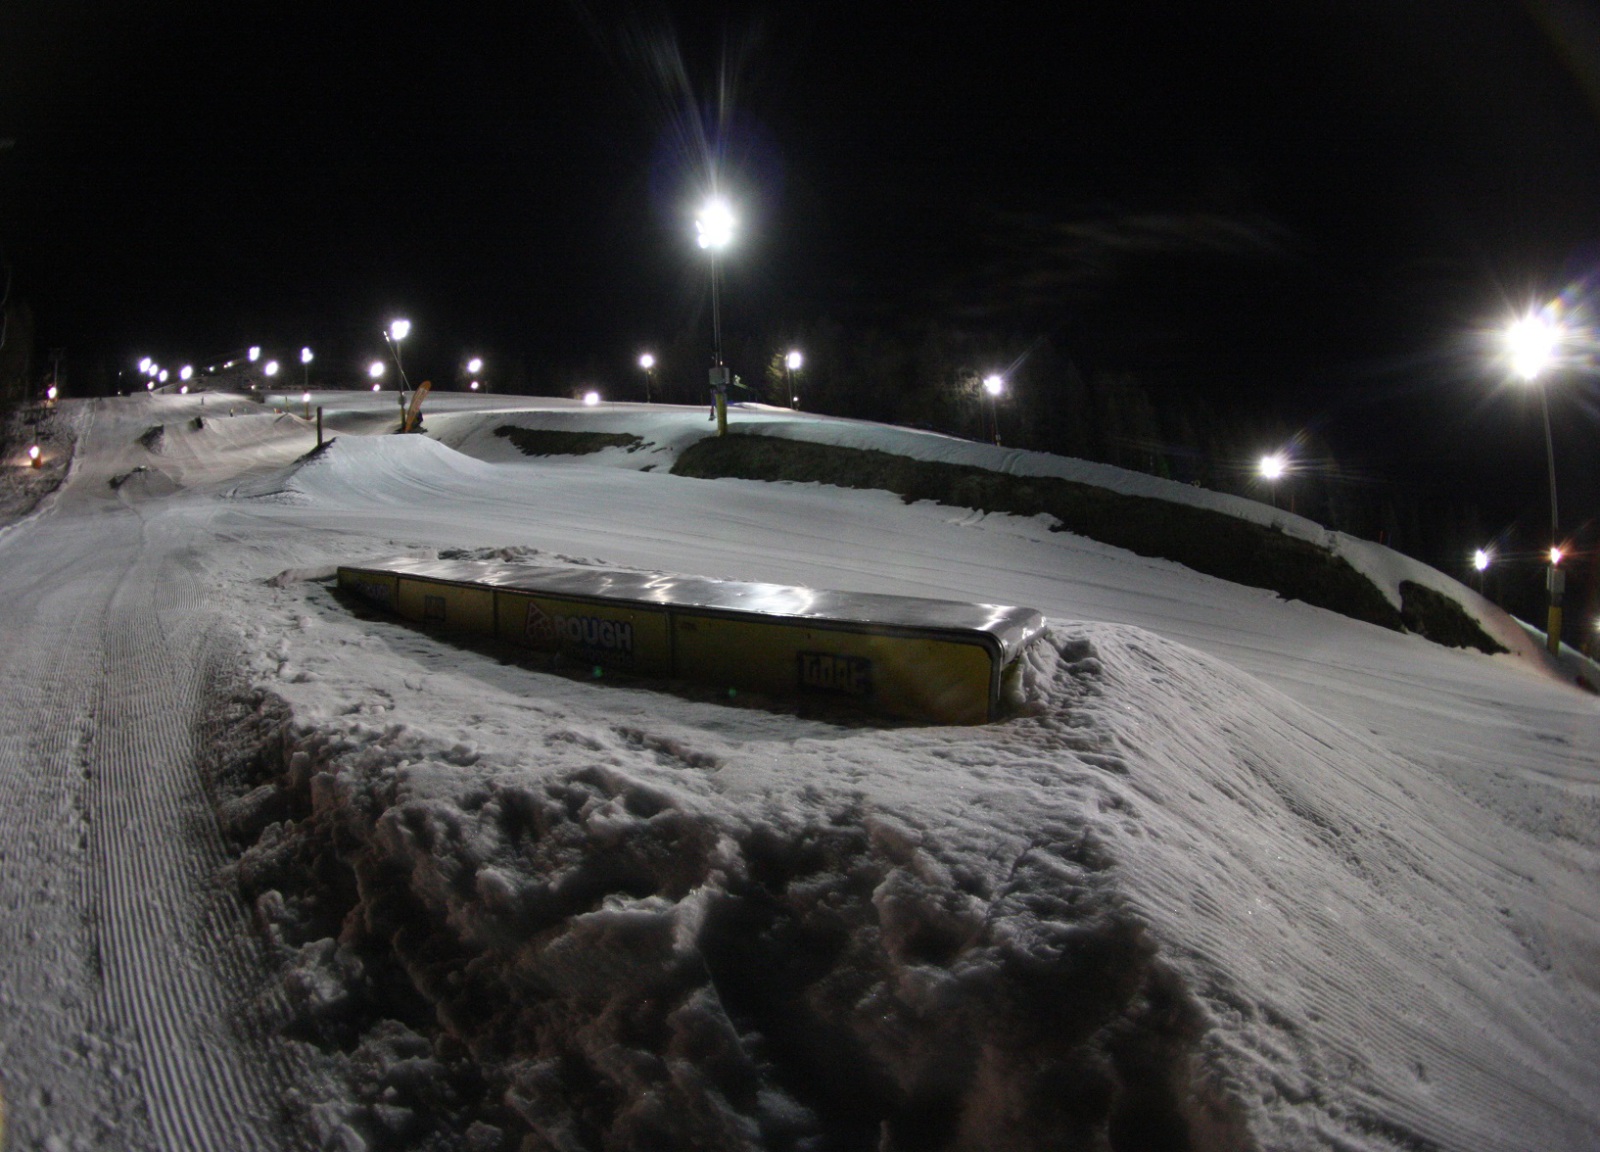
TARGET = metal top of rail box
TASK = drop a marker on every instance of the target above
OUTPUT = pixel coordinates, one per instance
(1007, 628)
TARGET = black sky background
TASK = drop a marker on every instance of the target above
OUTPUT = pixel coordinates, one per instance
(1310, 207)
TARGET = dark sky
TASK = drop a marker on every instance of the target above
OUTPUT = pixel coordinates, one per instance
(1313, 204)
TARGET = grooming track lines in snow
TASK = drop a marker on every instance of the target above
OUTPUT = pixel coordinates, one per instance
(915, 658)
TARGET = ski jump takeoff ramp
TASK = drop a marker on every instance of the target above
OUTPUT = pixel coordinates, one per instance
(921, 659)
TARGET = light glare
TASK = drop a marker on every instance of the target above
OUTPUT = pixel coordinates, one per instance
(270, 368)
(305, 356)
(647, 361)
(1555, 555)
(1273, 466)
(591, 398)
(1532, 343)
(993, 384)
(254, 353)
(475, 365)
(714, 225)
(793, 361)
(399, 330)
(1480, 559)
(375, 370)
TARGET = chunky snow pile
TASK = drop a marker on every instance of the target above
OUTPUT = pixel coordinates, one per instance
(598, 946)
(610, 917)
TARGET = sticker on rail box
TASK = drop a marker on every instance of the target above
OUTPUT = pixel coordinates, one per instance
(378, 591)
(827, 672)
(593, 636)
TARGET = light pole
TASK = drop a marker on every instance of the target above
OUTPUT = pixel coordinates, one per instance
(305, 366)
(474, 368)
(1272, 467)
(397, 331)
(993, 385)
(1533, 343)
(1481, 559)
(648, 363)
(791, 364)
(713, 232)
(375, 371)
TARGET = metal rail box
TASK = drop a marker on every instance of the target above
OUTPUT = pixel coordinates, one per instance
(905, 656)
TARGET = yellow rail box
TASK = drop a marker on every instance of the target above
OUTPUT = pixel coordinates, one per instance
(905, 656)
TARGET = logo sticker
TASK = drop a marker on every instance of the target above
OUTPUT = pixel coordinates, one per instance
(594, 636)
(826, 672)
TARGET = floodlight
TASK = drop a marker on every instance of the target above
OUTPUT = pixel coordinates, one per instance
(399, 330)
(591, 398)
(475, 365)
(1532, 343)
(993, 384)
(254, 353)
(793, 361)
(647, 361)
(1480, 559)
(270, 368)
(1273, 466)
(305, 356)
(714, 226)
(375, 370)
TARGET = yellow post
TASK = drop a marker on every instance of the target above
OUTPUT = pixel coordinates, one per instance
(722, 412)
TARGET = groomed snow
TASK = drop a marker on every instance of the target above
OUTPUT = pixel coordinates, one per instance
(1234, 867)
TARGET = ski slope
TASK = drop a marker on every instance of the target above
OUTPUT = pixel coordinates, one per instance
(1354, 873)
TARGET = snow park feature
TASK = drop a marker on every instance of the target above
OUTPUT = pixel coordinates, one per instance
(905, 656)
(1232, 870)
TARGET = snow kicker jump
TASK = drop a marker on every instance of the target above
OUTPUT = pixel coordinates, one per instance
(913, 658)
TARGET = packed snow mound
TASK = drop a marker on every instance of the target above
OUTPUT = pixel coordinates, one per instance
(376, 470)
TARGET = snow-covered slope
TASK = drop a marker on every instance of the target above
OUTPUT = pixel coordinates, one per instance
(1237, 869)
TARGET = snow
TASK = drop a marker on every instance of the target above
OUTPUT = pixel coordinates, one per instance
(1234, 870)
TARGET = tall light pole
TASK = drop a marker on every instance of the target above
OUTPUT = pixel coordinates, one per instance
(305, 366)
(648, 363)
(714, 232)
(1533, 343)
(792, 363)
(1272, 467)
(993, 385)
(397, 331)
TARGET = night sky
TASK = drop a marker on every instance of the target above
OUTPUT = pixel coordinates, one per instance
(1316, 207)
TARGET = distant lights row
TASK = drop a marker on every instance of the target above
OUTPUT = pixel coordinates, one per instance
(397, 331)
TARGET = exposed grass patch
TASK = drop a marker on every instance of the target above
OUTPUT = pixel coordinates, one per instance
(1198, 538)
(553, 442)
(1442, 620)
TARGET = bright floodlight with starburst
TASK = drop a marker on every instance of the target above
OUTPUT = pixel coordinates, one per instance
(714, 226)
